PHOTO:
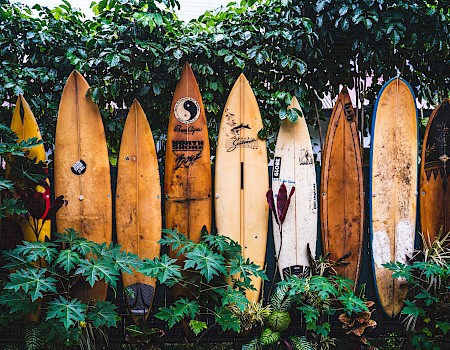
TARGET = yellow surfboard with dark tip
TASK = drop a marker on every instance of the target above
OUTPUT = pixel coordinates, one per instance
(25, 126)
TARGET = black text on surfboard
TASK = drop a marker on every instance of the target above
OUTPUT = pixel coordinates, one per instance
(186, 152)
(189, 130)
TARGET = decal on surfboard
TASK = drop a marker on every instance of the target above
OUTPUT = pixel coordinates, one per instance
(186, 110)
(191, 130)
(233, 135)
(296, 270)
(276, 167)
(79, 167)
(186, 152)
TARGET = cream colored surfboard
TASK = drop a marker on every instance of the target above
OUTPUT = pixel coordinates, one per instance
(25, 126)
(82, 173)
(241, 177)
(138, 206)
(393, 186)
(294, 166)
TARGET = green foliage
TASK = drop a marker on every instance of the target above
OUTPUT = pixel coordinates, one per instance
(426, 311)
(43, 274)
(205, 268)
(135, 49)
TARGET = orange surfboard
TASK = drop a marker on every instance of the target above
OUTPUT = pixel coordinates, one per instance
(187, 178)
(342, 193)
(138, 206)
(434, 198)
(82, 173)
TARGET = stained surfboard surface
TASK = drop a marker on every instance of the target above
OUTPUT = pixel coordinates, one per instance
(393, 186)
(294, 166)
(82, 173)
(241, 177)
(138, 206)
(187, 178)
(25, 126)
(342, 193)
(434, 198)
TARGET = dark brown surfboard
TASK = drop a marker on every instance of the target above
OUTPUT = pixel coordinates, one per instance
(342, 198)
(434, 174)
(187, 178)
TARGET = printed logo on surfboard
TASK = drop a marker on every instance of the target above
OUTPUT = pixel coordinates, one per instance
(233, 137)
(276, 168)
(296, 270)
(79, 167)
(186, 152)
(306, 158)
(186, 110)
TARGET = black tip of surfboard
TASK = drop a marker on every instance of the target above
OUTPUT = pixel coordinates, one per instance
(139, 298)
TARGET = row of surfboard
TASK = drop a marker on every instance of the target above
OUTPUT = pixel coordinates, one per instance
(82, 175)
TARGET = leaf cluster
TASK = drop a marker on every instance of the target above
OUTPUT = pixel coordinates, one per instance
(203, 269)
(43, 274)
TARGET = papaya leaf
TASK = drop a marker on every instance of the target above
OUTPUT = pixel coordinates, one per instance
(32, 281)
(11, 206)
(95, 270)
(208, 263)
(67, 259)
(68, 312)
(226, 319)
(32, 251)
(163, 268)
(104, 314)
(197, 326)
(232, 296)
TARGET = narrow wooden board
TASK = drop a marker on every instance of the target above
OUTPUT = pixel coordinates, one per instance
(393, 186)
(138, 206)
(25, 126)
(82, 173)
(294, 166)
(187, 178)
(241, 177)
(342, 192)
(434, 198)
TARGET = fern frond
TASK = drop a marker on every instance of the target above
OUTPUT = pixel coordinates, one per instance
(33, 337)
(301, 343)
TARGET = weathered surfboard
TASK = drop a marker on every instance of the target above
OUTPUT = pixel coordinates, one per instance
(25, 126)
(393, 186)
(241, 177)
(342, 193)
(294, 166)
(187, 178)
(138, 206)
(434, 198)
(82, 173)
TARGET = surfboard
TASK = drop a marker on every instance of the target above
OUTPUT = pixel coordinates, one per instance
(342, 192)
(25, 126)
(241, 177)
(393, 186)
(82, 175)
(138, 206)
(434, 199)
(294, 166)
(187, 178)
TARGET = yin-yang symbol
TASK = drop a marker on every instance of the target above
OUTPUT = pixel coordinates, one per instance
(187, 110)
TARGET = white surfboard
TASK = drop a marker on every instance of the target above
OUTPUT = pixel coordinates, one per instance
(294, 166)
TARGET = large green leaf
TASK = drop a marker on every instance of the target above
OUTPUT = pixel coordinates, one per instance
(68, 312)
(164, 269)
(95, 270)
(103, 314)
(67, 259)
(177, 311)
(11, 206)
(32, 251)
(208, 263)
(232, 296)
(226, 319)
(32, 281)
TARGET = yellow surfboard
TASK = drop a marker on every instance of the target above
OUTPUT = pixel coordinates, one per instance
(138, 206)
(241, 177)
(25, 126)
(82, 173)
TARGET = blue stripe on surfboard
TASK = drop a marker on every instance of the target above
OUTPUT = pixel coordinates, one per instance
(372, 134)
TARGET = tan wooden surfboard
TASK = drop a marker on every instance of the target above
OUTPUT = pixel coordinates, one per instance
(342, 193)
(434, 198)
(187, 178)
(138, 206)
(241, 177)
(294, 166)
(393, 186)
(25, 126)
(82, 173)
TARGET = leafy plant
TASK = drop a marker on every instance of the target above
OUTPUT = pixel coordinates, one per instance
(68, 260)
(427, 309)
(203, 273)
(357, 323)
